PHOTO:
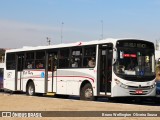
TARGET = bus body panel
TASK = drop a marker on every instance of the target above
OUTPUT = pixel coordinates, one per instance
(38, 83)
(70, 80)
(9, 80)
(37, 76)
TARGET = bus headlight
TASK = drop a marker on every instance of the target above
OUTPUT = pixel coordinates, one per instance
(123, 86)
(120, 84)
(152, 86)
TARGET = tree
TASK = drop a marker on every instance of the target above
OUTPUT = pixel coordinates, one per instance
(2, 53)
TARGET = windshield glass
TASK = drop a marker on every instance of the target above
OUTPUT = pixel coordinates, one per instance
(134, 62)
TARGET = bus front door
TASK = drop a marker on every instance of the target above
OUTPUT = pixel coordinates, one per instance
(52, 72)
(105, 69)
(19, 70)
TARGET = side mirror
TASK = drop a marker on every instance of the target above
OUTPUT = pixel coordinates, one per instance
(114, 56)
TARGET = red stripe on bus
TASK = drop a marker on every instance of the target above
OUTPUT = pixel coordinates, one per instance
(77, 77)
(62, 76)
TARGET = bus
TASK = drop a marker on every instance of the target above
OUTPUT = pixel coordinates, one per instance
(157, 56)
(1, 75)
(64, 69)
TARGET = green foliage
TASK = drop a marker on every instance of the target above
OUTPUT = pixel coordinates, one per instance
(2, 53)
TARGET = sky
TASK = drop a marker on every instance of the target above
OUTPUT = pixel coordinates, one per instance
(30, 22)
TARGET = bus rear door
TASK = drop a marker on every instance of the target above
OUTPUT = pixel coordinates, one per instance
(19, 70)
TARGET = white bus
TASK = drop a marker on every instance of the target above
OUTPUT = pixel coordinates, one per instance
(157, 56)
(85, 69)
(1, 75)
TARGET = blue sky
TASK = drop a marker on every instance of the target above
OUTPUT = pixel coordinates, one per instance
(29, 22)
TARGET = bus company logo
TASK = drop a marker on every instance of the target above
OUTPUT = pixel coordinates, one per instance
(141, 73)
(9, 74)
(42, 74)
(6, 114)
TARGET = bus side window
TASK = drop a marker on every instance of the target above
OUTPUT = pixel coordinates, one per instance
(39, 65)
(64, 58)
(91, 62)
(89, 59)
(10, 61)
(29, 65)
(76, 61)
(29, 62)
(40, 58)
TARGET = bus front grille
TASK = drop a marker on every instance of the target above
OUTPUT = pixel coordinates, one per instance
(137, 87)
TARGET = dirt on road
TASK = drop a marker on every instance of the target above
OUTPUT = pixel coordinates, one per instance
(14, 102)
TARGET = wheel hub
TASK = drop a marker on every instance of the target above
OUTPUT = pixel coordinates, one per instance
(30, 90)
(88, 93)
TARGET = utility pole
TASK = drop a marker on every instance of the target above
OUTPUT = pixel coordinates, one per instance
(157, 45)
(62, 32)
(48, 40)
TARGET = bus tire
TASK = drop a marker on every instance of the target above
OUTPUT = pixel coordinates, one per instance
(30, 89)
(87, 93)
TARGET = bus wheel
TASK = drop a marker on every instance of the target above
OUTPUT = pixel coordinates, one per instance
(87, 92)
(30, 89)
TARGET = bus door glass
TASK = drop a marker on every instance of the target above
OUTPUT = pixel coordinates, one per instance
(106, 54)
(19, 69)
(52, 71)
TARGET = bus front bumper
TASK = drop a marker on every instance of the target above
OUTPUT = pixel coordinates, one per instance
(118, 91)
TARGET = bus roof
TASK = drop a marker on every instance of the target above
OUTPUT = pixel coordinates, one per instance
(30, 48)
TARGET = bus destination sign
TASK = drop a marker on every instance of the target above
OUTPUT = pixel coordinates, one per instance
(135, 44)
(132, 44)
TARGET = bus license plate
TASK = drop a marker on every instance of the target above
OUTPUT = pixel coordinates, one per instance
(139, 91)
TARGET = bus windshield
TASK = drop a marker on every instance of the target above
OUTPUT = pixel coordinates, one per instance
(135, 62)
